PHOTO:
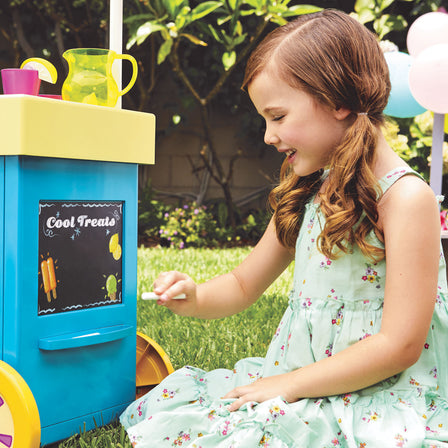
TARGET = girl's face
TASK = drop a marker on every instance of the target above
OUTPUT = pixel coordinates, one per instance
(306, 131)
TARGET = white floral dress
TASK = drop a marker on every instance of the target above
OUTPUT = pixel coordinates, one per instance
(333, 304)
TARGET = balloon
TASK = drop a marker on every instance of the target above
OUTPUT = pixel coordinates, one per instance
(428, 78)
(401, 103)
(429, 29)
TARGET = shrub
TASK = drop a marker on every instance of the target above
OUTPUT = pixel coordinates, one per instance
(190, 226)
(411, 139)
(252, 227)
(193, 225)
(151, 215)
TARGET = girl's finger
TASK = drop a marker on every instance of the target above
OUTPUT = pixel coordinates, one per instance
(247, 398)
(165, 280)
(239, 391)
(177, 289)
(234, 393)
(235, 405)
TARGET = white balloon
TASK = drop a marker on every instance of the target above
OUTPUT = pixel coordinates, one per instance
(428, 78)
(429, 29)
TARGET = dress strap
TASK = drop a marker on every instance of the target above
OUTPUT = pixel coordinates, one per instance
(397, 173)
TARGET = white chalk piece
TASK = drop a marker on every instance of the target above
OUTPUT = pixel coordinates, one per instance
(154, 296)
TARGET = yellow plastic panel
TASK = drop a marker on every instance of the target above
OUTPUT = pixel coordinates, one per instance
(19, 405)
(35, 126)
(153, 364)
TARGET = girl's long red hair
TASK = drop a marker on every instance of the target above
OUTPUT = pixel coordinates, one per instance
(338, 61)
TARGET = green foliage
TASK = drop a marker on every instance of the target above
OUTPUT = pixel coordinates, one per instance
(374, 11)
(411, 138)
(420, 7)
(151, 212)
(192, 225)
(169, 18)
(252, 227)
(172, 18)
(392, 17)
(398, 141)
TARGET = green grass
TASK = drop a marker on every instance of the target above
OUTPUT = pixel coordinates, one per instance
(208, 344)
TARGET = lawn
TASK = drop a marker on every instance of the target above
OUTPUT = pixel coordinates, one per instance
(208, 344)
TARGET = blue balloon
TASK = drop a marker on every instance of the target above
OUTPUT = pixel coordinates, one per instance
(401, 103)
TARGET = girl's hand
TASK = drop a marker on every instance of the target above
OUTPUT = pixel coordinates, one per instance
(171, 284)
(263, 389)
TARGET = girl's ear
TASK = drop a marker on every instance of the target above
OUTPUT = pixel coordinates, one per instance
(341, 113)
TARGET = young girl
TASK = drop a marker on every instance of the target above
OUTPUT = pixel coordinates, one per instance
(360, 356)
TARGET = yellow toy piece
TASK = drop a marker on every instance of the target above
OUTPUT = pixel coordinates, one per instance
(153, 364)
(47, 71)
(19, 416)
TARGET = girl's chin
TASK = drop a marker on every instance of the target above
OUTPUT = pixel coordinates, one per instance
(303, 171)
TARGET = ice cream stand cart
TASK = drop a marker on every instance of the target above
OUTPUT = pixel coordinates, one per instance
(70, 356)
(68, 208)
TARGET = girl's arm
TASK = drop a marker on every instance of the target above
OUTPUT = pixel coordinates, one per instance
(410, 221)
(229, 293)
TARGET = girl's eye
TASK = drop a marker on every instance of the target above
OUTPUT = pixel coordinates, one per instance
(278, 118)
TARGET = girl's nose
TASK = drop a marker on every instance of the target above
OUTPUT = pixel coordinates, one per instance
(270, 138)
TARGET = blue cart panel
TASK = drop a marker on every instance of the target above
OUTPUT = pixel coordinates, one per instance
(73, 345)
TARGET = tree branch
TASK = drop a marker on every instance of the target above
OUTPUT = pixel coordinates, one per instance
(59, 38)
(209, 139)
(232, 161)
(207, 164)
(241, 55)
(23, 42)
(174, 58)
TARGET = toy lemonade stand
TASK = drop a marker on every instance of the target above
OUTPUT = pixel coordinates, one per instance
(68, 208)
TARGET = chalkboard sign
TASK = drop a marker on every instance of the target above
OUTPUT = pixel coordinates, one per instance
(80, 255)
